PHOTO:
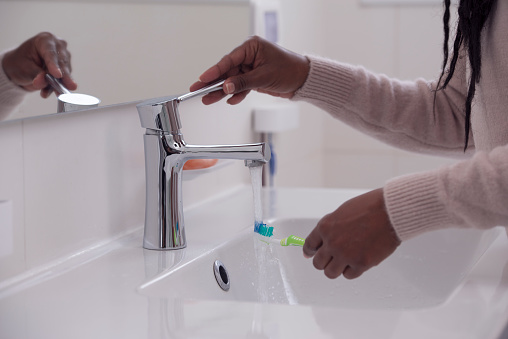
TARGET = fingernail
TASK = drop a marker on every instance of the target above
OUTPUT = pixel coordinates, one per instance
(230, 88)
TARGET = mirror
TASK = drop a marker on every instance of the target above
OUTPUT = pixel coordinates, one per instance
(123, 50)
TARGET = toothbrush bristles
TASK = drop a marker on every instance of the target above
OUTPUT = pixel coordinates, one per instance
(263, 229)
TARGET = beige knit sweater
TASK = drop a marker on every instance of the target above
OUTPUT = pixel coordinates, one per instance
(472, 193)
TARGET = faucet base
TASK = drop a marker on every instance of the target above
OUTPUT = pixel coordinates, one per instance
(154, 248)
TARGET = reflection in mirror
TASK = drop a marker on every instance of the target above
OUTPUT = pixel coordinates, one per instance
(124, 51)
(70, 101)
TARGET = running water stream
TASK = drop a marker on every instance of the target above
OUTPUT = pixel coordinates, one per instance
(256, 173)
(271, 283)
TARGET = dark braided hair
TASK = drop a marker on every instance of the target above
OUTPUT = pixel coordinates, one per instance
(472, 17)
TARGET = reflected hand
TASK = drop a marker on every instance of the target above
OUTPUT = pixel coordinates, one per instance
(256, 65)
(355, 237)
(44, 53)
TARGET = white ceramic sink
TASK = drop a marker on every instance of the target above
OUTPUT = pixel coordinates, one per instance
(423, 272)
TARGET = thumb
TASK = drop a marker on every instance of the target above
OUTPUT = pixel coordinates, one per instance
(252, 80)
(235, 84)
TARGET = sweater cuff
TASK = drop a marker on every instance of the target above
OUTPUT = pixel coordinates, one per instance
(414, 204)
(328, 81)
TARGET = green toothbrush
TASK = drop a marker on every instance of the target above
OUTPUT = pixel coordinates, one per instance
(267, 232)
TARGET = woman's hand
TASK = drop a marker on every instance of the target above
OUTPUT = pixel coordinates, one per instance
(27, 65)
(355, 237)
(255, 65)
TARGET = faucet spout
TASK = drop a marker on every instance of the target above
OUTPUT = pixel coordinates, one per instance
(248, 152)
(165, 154)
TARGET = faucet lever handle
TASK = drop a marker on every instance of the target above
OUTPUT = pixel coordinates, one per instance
(203, 91)
(56, 84)
(161, 114)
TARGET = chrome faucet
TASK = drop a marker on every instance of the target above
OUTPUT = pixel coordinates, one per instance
(165, 154)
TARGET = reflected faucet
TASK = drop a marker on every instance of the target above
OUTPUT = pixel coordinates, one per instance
(165, 154)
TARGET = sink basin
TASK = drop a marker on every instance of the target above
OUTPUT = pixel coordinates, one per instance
(423, 272)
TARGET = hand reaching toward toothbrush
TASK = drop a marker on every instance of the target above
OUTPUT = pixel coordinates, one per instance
(355, 237)
(255, 65)
(44, 53)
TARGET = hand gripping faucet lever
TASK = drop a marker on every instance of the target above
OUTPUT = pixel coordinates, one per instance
(165, 154)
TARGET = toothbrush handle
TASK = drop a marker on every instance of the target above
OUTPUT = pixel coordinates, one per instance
(293, 240)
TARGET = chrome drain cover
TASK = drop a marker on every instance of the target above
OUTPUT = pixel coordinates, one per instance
(221, 275)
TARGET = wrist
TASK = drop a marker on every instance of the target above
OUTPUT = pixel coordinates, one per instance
(11, 70)
(302, 72)
(5, 65)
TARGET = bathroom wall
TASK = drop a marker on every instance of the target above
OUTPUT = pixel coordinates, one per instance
(299, 152)
(401, 41)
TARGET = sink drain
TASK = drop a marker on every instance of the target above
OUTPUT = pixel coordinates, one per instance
(221, 275)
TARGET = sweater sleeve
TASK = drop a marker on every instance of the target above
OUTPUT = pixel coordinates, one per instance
(469, 194)
(11, 95)
(399, 113)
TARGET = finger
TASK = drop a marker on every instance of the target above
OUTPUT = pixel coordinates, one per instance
(213, 97)
(312, 243)
(238, 97)
(254, 79)
(197, 85)
(46, 92)
(309, 252)
(68, 82)
(48, 52)
(334, 268)
(352, 272)
(217, 71)
(210, 75)
(39, 82)
(64, 61)
(321, 259)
